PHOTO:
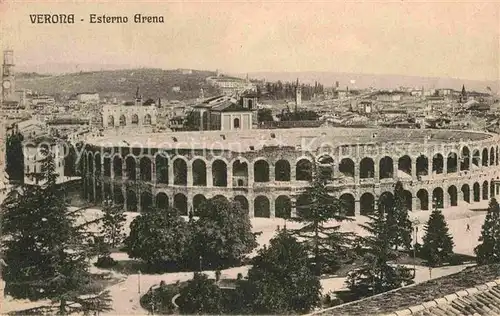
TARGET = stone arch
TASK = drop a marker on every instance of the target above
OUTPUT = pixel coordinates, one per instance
(90, 163)
(161, 201)
(146, 201)
(497, 154)
(219, 173)
(453, 195)
(438, 197)
(261, 171)
(385, 199)
(111, 121)
(134, 120)
(180, 171)
(147, 119)
(423, 198)
(161, 163)
(97, 162)
(131, 201)
(386, 168)
(107, 192)
(465, 193)
(476, 191)
(404, 165)
(145, 168)
(220, 197)
(422, 165)
(283, 206)
(236, 123)
(123, 120)
(492, 189)
(476, 158)
(452, 162)
(282, 170)
(181, 204)
(303, 170)
(408, 200)
(484, 157)
(130, 168)
(118, 195)
(107, 166)
(437, 163)
(117, 166)
(465, 159)
(348, 204)
(242, 200)
(262, 207)
(485, 190)
(492, 156)
(346, 167)
(302, 204)
(325, 167)
(198, 201)
(366, 168)
(199, 172)
(240, 172)
(98, 192)
(367, 203)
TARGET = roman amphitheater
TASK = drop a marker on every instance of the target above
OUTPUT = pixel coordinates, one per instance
(266, 170)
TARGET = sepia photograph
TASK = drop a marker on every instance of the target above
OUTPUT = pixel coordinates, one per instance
(226, 157)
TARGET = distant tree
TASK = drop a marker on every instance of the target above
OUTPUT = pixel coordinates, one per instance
(437, 247)
(488, 251)
(328, 247)
(222, 235)
(200, 296)
(398, 219)
(280, 280)
(264, 115)
(46, 251)
(377, 274)
(159, 237)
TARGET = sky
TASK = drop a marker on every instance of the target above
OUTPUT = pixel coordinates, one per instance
(458, 39)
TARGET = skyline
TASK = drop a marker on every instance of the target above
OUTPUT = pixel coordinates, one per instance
(456, 40)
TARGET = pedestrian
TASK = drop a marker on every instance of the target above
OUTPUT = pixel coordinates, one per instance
(468, 227)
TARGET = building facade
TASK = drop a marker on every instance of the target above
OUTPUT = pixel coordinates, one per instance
(124, 117)
(267, 170)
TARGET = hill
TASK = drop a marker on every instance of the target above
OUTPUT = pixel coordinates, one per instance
(153, 83)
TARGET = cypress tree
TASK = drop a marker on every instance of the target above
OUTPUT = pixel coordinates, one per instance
(377, 274)
(327, 245)
(438, 244)
(45, 250)
(488, 251)
(398, 219)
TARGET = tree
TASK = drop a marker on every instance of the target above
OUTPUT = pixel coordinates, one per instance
(159, 237)
(377, 274)
(488, 251)
(280, 280)
(438, 244)
(45, 250)
(398, 219)
(111, 232)
(15, 156)
(264, 115)
(200, 296)
(222, 235)
(327, 245)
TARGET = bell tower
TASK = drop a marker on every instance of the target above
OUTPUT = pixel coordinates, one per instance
(8, 79)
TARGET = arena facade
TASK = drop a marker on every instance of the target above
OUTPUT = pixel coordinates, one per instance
(266, 170)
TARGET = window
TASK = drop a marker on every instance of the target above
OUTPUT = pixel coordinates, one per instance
(236, 123)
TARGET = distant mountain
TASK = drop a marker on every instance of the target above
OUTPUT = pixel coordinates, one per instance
(62, 68)
(153, 83)
(377, 81)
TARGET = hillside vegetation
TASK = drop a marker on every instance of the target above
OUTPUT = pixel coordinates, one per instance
(153, 83)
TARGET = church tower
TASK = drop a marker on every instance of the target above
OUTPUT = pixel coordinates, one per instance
(463, 95)
(138, 98)
(8, 80)
(298, 95)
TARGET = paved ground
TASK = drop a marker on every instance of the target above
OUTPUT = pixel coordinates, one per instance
(126, 294)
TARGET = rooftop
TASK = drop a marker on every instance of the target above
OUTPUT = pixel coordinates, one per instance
(313, 138)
